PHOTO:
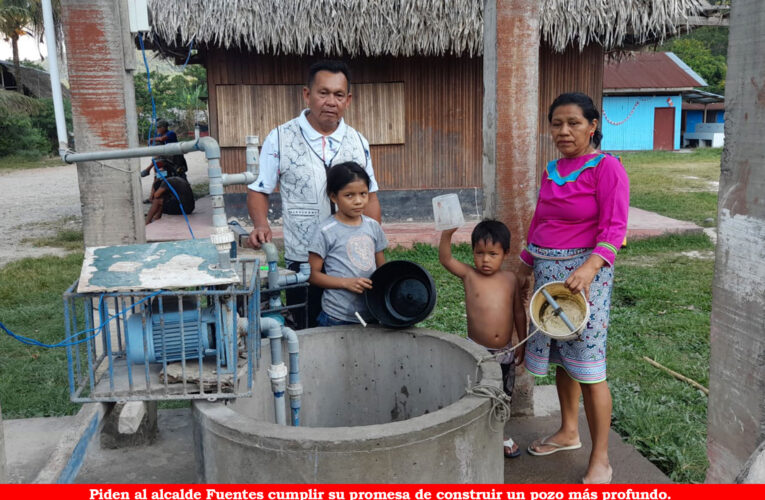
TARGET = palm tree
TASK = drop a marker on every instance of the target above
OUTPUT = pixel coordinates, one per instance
(24, 17)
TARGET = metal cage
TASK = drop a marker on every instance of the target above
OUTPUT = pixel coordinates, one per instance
(164, 345)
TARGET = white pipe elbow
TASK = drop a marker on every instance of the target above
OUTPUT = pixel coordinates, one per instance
(299, 277)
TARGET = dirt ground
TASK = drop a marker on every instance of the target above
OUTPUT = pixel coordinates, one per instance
(39, 202)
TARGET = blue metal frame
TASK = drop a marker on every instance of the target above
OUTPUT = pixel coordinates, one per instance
(98, 367)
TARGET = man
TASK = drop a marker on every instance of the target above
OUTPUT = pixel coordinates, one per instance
(164, 201)
(296, 155)
(171, 166)
(164, 134)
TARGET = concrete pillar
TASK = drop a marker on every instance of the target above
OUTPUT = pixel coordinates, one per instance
(100, 54)
(100, 60)
(510, 109)
(736, 413)
(3, 473)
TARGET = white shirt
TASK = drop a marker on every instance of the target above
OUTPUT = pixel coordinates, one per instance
(324, 146)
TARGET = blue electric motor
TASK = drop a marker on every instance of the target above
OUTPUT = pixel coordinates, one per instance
(163, 342)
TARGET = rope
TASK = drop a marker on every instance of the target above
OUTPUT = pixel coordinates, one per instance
(500, 402)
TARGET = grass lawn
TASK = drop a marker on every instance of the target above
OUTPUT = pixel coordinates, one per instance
(678, 185)
(661, 306)
(661, 309)
(8, 163)
(33, 380)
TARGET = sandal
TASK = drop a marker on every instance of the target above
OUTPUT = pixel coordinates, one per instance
(509, 444)
(555, 447)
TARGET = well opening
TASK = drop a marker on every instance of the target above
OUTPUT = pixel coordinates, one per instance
(354, 376)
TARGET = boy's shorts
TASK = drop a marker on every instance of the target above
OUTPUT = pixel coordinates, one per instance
(506, 363)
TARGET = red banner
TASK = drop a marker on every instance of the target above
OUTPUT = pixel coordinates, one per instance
(382, 492)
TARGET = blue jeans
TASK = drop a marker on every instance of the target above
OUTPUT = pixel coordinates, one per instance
(325, 319)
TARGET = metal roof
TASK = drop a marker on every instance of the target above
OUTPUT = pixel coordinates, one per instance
(650, 72)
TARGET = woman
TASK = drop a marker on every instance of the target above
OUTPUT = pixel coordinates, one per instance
(579, 222)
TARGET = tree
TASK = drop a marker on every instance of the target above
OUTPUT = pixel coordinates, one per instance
(19, 18)
(177, 97)
(705, 52)
(699, 57)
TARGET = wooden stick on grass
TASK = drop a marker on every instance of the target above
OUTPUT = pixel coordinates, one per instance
(677, 375)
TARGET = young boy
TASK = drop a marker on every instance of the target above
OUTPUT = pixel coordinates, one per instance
(493, 299)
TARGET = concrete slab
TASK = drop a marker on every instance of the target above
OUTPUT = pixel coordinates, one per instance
(173, 227)
(170, 459)
(568, 467)
(645, 224)
(29, 444)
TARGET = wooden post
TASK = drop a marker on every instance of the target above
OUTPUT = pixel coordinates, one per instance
(100, 60)
(736, 413)
(510, 109)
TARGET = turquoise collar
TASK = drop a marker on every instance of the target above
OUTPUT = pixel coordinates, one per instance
(553, 175)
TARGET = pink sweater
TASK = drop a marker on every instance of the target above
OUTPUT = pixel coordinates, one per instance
(589, 211)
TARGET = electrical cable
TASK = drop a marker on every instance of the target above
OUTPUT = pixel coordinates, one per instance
(96, 329)
(162, 177)
(64, 343)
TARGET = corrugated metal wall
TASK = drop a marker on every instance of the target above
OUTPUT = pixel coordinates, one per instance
(628, 123)
(443, 101)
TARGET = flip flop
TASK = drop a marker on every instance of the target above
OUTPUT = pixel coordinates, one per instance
(607, 480)
(556, 447)
(508, 446)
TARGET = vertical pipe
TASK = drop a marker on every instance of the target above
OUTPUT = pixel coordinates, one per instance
(251, 153)
(55, 80)
(277, 372)
(295, 388)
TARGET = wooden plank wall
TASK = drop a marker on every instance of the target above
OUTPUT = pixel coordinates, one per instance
(377, 109)
(443, 99)
(570, 71)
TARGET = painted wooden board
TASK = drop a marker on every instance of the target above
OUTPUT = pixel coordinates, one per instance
(153, 266)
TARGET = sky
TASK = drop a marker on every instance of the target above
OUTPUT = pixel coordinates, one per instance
(27, 49)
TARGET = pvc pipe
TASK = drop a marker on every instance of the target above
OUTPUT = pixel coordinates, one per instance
(251, 154)
(240, 178)
(55, 82)
(277, 372)
(175, 148)
(299, 277)
(295, 388)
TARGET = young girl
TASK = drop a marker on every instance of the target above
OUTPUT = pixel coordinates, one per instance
(346, 248)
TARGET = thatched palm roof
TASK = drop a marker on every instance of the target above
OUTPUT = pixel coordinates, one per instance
(403, 27)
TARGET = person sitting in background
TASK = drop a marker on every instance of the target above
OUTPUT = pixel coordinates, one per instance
(175, 165)
(164, 134)
(163, 201)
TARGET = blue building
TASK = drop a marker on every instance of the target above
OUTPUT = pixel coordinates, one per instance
(643, 101)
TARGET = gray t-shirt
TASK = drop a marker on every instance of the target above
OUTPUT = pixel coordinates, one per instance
(348, 252)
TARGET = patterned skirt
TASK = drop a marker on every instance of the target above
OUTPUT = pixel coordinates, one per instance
(584, 358)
